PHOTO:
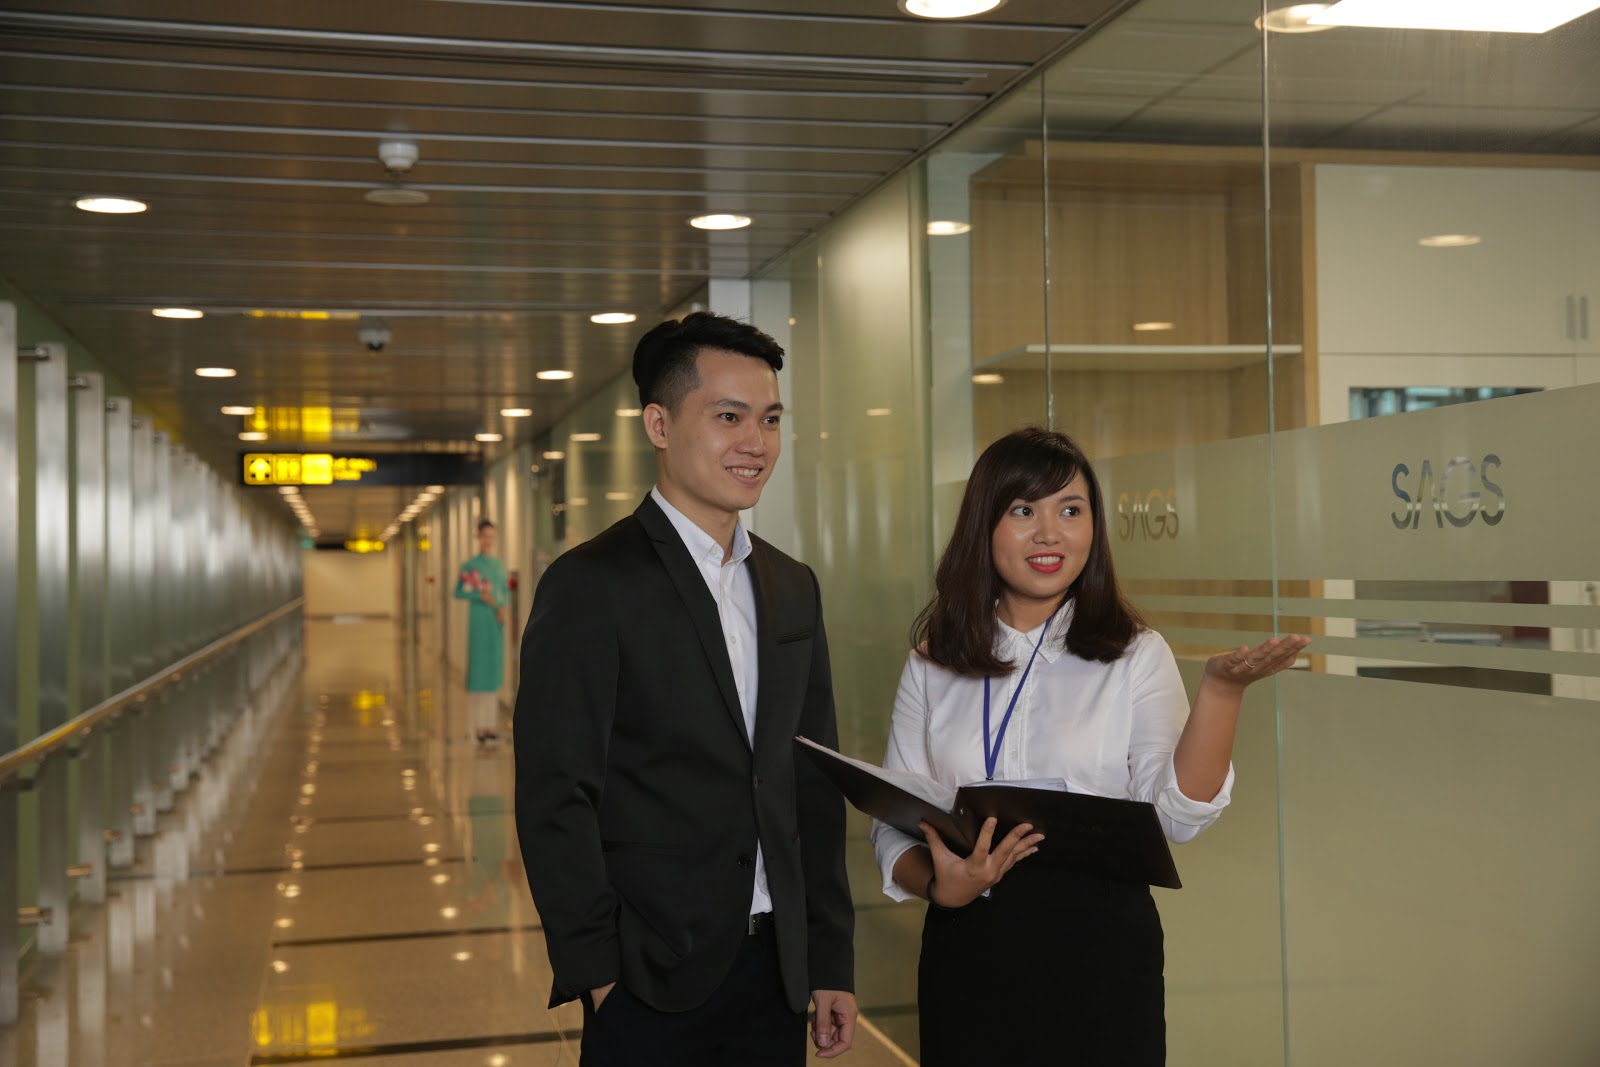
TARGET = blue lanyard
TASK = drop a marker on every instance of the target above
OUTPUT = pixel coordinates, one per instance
(991, 756)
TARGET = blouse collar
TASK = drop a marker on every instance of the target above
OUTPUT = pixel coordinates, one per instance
(1008, 640)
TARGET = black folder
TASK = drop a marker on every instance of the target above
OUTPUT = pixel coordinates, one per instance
(1105, 836)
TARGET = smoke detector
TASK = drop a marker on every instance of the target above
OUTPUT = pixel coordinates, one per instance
(397, 158)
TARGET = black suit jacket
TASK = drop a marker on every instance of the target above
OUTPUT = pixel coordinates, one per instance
(639, 798)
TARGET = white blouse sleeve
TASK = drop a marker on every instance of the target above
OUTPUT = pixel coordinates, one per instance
(908, 750)
(1160, 708)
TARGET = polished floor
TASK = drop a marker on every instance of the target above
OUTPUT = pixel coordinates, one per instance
(342, 883)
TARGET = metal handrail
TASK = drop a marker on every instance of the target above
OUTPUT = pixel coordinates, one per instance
(45, 745)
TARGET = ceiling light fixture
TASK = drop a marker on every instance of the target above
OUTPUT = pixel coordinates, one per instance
(629, 413)
(516, 413)
(554, 375)
(613, 318)
(435, 489)
(585, 438)
(988, 379)
(238, 409)
(111, 205)
(879, 412)
(1481, 16)
(948, 9)
(1153, 327)
(948, 228)
(552, 456)
(720, 222)
(1451, 240)
(253, 435)
(215, 372)
(1296, 18)
(489, 438)
(177, 313)
(396, 196)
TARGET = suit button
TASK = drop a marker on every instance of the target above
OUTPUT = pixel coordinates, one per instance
(755, 781)
(747, 862)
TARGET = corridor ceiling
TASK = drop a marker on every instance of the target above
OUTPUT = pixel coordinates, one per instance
(563, 147)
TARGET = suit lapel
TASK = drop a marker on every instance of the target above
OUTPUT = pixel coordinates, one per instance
(769, 727)
(698, 601)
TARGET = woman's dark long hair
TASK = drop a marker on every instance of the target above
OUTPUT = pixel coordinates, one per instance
(956, 630)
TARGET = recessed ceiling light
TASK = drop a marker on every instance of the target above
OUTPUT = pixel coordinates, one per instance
(111, 205)
(583, 438)
(252, 435)
(720, 222)
(177, 313)
(215, 372)
(280, 966)
(555, 455)
(488, 438)
(629, 413)
(578, 502)
(1451, 240)
(516, 413)
(462, 956)
(395, 196)
(879, 412)
(449, 913)
(616, 495)
(1296, 18)
(554, 375)
(238, 409)
(435, 488)
(948, 9)
(1485, 16)
(988, 379)
(614, 318)
(1153, 327)
(947, 228)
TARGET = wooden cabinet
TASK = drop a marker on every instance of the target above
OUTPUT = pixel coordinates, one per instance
(1382, 290)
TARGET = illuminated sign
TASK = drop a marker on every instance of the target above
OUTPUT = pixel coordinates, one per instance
(363, 545)
(383, 468)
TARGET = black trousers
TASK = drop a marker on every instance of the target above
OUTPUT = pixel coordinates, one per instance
(1051, 968)
(746, 1023)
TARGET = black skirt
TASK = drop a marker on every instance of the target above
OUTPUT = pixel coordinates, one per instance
(1050, 968)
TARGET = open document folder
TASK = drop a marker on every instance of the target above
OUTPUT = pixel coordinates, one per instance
(1118, 839)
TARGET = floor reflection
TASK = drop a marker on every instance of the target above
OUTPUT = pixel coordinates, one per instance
(342, 880)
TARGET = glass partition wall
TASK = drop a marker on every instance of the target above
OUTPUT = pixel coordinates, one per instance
(1323, 304)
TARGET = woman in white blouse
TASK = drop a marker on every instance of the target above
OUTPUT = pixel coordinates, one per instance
(1030, 664)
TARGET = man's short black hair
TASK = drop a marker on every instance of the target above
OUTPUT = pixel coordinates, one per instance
(665, 363)
(485, 524)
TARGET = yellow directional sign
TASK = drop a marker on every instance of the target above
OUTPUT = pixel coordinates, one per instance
(286, 468)
(316, 468)
(257, 469)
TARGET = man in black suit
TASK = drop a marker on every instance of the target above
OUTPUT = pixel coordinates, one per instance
(688, 870)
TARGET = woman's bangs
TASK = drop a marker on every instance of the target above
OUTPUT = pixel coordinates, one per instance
(1041, 473)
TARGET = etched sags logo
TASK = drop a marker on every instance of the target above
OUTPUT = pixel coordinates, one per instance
(1148, 516)
(1462, 493)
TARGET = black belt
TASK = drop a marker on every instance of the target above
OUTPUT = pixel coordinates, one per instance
(759, 923)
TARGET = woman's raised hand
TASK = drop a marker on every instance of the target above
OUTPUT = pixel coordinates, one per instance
(1245, 665)
(957, 882)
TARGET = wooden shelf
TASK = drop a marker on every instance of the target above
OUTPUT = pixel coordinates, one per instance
(1134, 358)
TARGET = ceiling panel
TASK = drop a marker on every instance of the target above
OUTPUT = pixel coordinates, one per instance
(565, 143)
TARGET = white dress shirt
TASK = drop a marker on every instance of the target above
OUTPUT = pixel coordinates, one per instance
(735, 593)
(1108, 729)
